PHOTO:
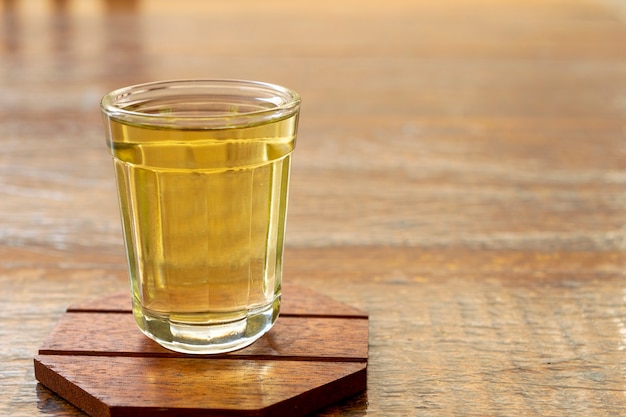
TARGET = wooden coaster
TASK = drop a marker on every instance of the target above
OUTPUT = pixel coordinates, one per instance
(315, 355)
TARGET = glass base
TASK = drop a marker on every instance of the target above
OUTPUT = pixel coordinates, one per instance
(211, 338)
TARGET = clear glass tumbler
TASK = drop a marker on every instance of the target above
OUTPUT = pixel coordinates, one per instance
(202, 171)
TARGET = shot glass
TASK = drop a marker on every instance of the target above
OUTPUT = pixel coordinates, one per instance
(202, 173)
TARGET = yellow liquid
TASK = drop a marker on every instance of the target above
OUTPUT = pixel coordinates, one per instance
(204, 221)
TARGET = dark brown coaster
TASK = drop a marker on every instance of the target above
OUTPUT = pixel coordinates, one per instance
(315, 355)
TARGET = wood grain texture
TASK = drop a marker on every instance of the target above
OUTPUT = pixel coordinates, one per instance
(459, 175)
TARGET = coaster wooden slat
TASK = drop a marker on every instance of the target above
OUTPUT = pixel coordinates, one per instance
(295, 301)
(315, 355)
(138, 386)
(343, 339)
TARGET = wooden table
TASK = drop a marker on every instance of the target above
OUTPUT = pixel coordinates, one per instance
(460, 175)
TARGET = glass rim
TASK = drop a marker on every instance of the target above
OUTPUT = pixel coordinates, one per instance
(115, 104)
